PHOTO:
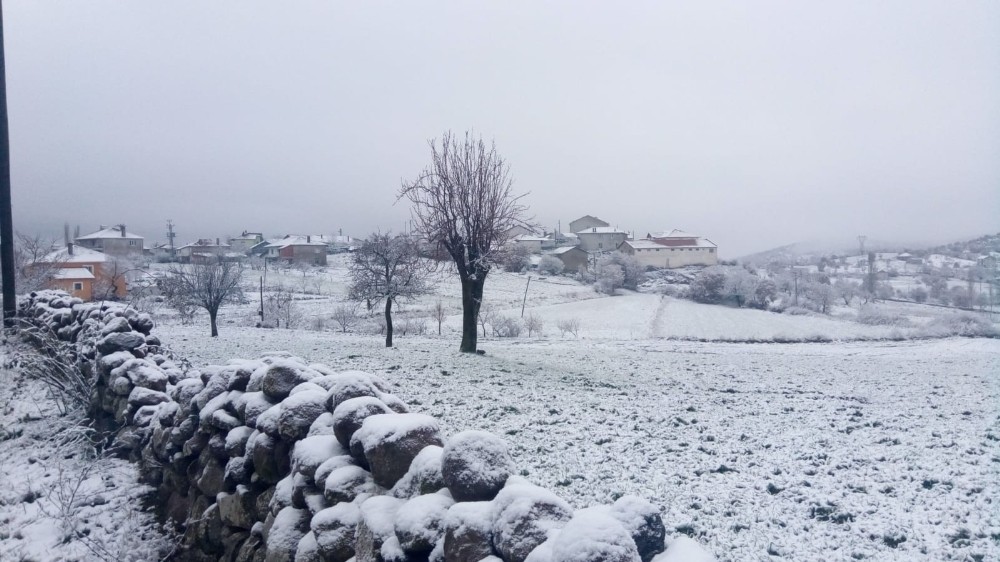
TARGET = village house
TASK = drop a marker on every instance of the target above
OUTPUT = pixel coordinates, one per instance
(586, 222)
(533, 244)
(672, 249)
(245, 241)
(573, 258)
(203, 251)
(599, 239)
(84, 273)
(114, 241)
(297, 249)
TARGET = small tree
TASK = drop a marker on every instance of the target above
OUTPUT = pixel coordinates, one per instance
(534, 325)
(207, 286)
(609, 279)
(633, 272)
(741, 286)
(846, 290)
(516, 259)
(346, 316)
(569, 326)
(550, 265)
(438, 313)
(709, 285)
(387, 268)
(464, 204)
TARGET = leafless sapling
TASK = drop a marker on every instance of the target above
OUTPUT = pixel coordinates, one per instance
(207, 286)
(387, 268)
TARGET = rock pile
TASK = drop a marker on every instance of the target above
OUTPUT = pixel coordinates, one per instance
(275, 459)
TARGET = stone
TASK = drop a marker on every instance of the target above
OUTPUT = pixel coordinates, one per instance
(350, 414)
(643, 522)
(298, 412)
(309, 453)
(424, 475)
(145, 397)
(308, 550)
(289, 527)
(347, 483)
(120, 341)
(592, 534)
(391, 442)
(475, 466)
(334, 528)
(419, 523)
(281, 377)
(238, 509)
(270, 458)
(115, 325)
(468, 532)
(375, 527)
(211, 480)
(236, 440)
(348, 385)
(523, 515)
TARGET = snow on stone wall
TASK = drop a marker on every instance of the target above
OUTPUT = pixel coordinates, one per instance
(274, 460)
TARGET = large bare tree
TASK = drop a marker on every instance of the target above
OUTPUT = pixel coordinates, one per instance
(207, 286)
(387, 268)
(464, 203)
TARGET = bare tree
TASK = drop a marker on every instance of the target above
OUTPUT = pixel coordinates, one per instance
(387, 268)
(207, 286)
(346, 316)
(439, 313)
(534, 325)
(463, 203)
(33, 268)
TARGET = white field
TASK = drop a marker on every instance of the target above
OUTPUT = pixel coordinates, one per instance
(828, 451)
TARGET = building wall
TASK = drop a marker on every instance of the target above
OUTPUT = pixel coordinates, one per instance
(667, 257)
(315, 255)
(533, 246)
(114, 246)
(583, 223)
(601, 241)
(86, 291)
(574, 260)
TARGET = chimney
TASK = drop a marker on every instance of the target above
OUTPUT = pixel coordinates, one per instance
(121, 227)
(69, 248)
(217, 242)
(308, 239)
(103, 226)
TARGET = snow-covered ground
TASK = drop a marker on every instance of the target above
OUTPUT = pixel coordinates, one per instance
(843, 450)
(885, 451)
(58, 501)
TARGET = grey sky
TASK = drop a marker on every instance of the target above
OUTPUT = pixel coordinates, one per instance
(753, 123)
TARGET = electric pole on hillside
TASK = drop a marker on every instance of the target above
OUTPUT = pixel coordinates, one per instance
(6, 212)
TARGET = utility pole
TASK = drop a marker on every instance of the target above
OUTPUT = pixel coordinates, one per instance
(170, 238)
(861, 251)
(6, 208)
(525, 301)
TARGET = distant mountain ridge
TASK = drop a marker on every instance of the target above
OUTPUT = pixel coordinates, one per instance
(804, 251)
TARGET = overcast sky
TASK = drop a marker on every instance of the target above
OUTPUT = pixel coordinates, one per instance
(755, 124)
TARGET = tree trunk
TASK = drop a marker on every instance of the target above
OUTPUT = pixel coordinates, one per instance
(472, 298)
(211, 317)
(388, 323)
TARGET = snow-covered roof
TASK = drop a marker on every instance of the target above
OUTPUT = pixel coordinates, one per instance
(651, 244)
(530, 238)
(601, 230)
(675, 233)
(72, 273)
(295, 240)
(80, 255)
(646, 244)
(204, 244)
(112, 232)
(563, 250)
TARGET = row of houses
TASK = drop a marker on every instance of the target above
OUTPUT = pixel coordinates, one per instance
(590, 236)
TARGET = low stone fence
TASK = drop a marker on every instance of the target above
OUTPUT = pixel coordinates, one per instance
(274, 459)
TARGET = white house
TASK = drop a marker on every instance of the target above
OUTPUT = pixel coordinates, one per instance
(675, 248)
(586, 222)
(601, 238)
(534, 244)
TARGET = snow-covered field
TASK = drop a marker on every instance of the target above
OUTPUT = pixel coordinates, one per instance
(58, 501)
(884, 451)
(826, 451)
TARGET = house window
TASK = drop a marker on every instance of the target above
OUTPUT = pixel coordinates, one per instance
(77, 286)
(711, 250)
(600, 245)
(131, 242)
(89, 268)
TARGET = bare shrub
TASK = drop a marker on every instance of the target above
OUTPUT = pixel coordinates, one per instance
(550, 265)
(879, 316)
(345, 316)
(569, 326)
(438, 313)
(506, 327)
(534, 325)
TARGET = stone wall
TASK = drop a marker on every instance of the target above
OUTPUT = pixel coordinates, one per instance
(274, 459)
